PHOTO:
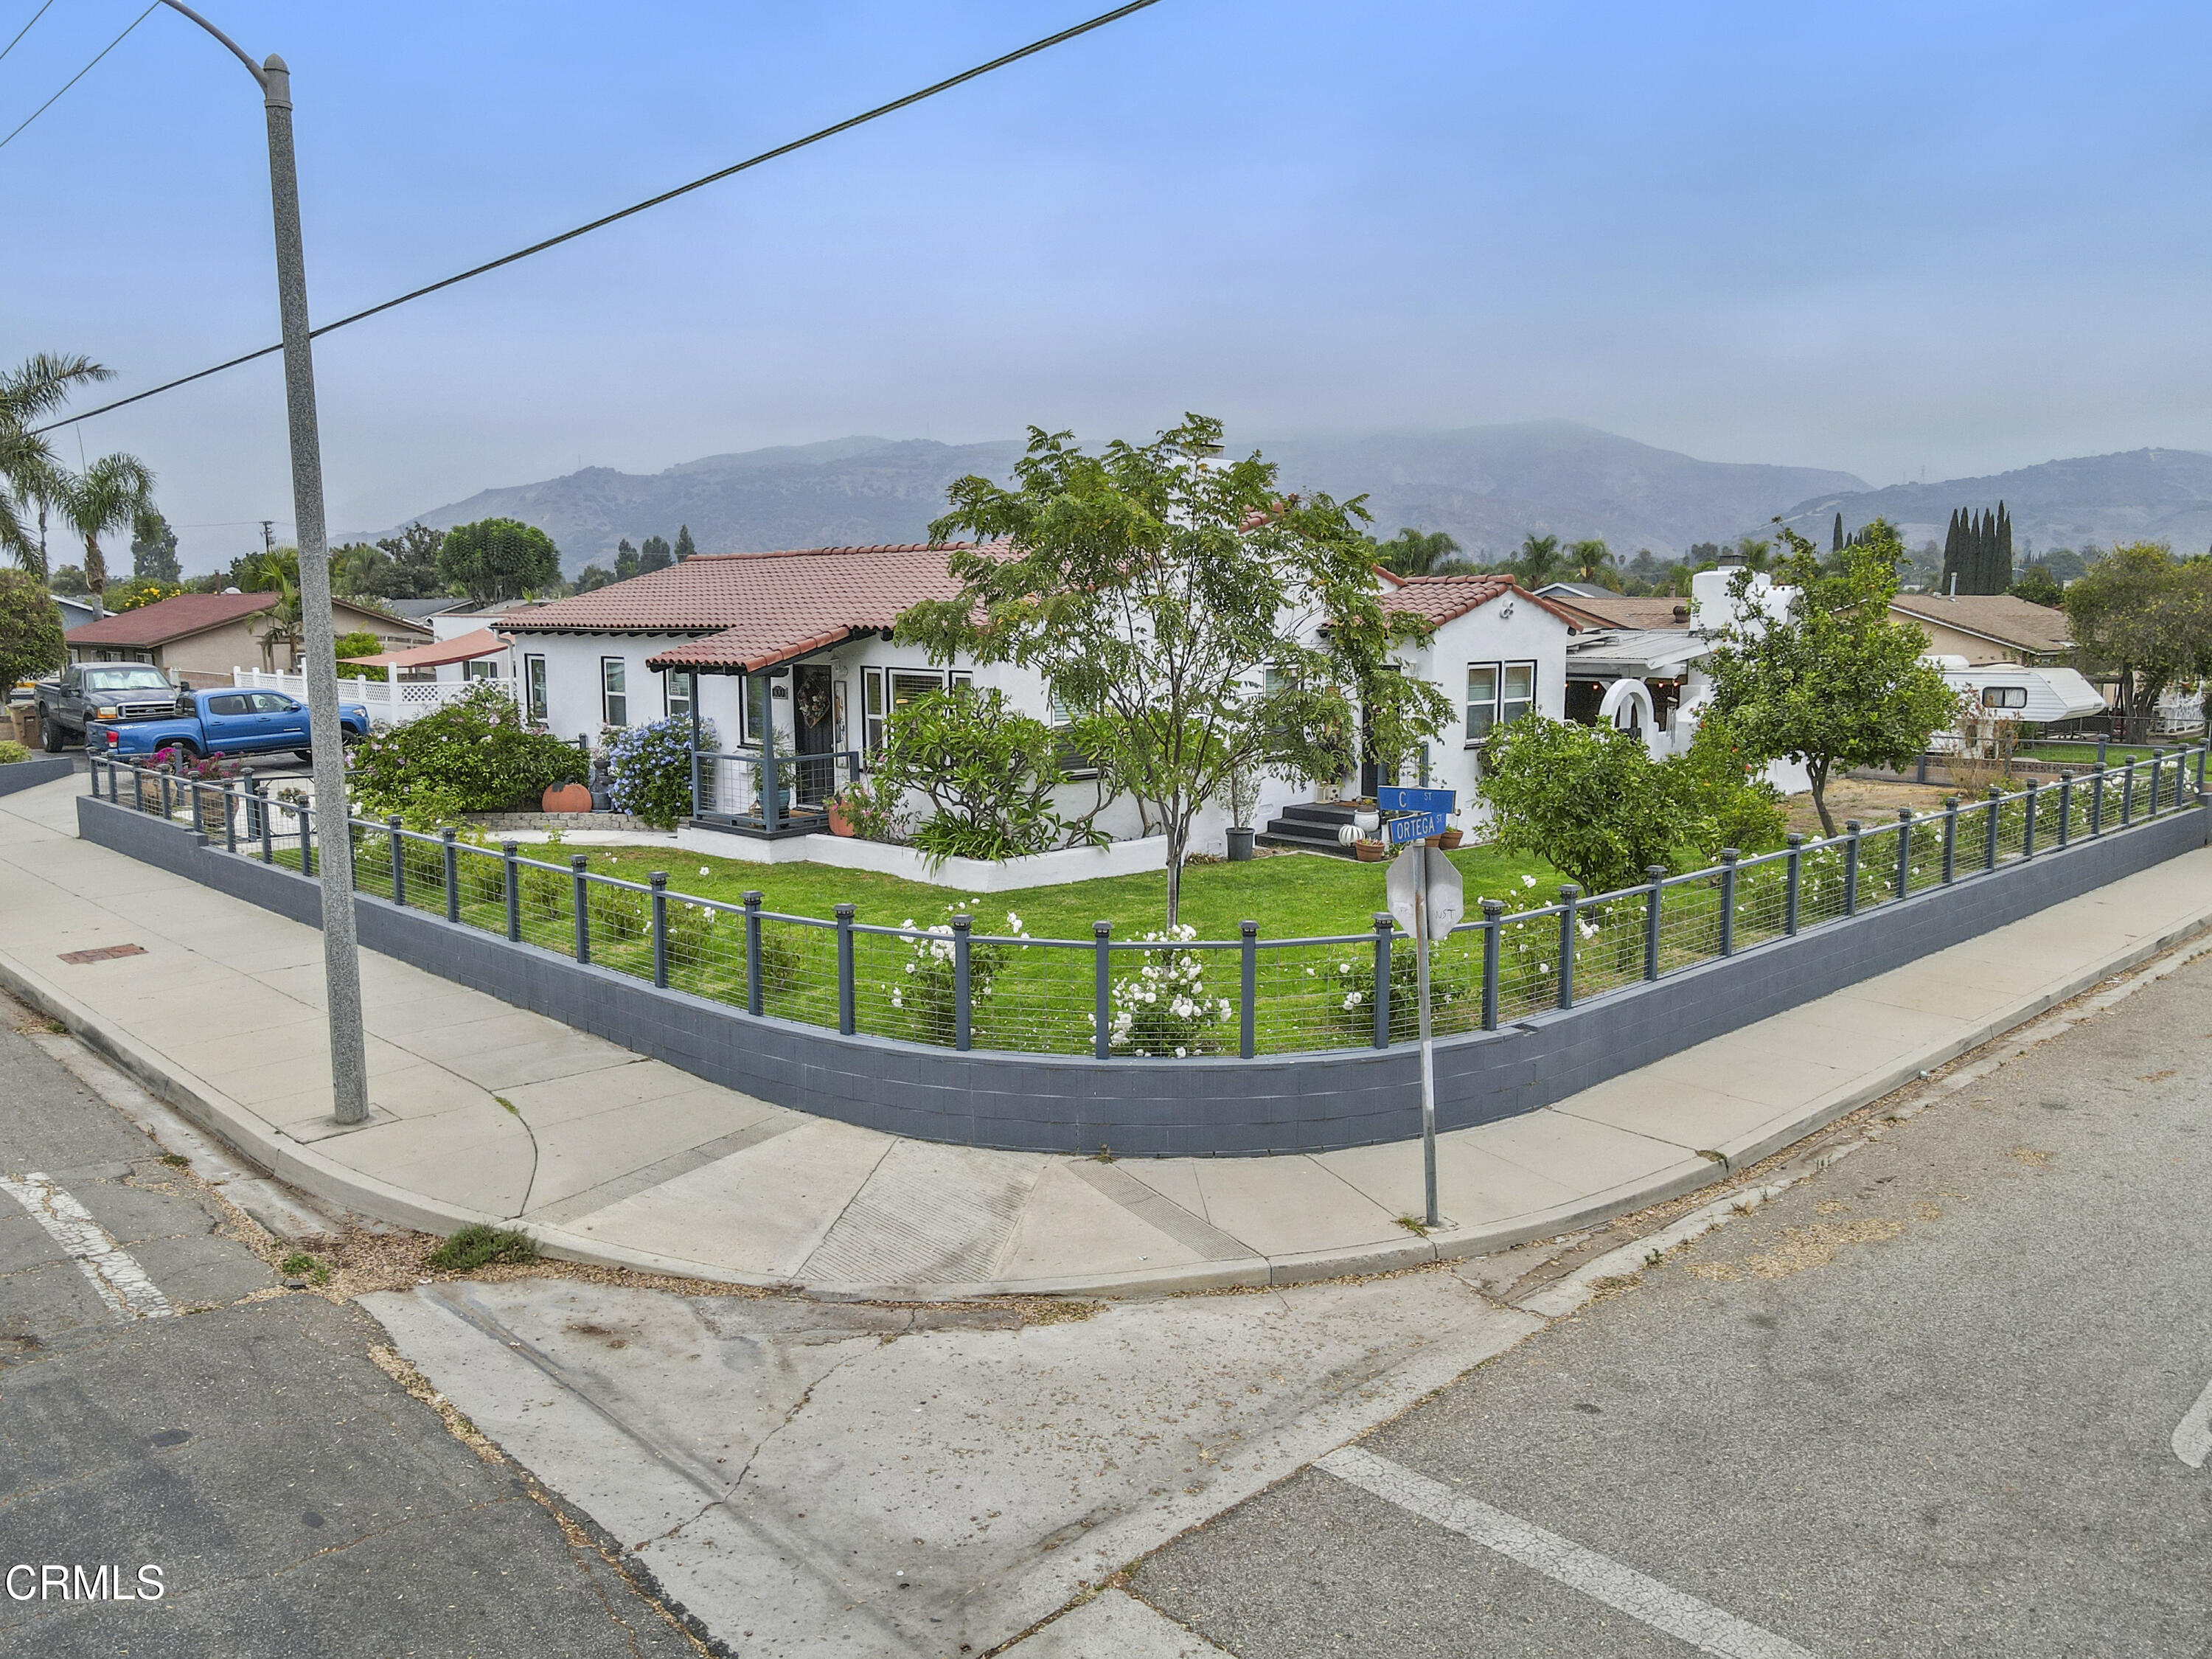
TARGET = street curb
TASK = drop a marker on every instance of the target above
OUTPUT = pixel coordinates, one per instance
(301, 1165)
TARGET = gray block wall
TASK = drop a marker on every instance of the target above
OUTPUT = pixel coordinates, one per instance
(30, 774)
(1169, 1107)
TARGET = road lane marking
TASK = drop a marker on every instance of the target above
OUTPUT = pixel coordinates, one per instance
(1660, 1606)
(115, 1274)
(2192, 1436)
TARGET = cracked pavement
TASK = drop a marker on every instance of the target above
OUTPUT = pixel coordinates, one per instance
(296, 1497)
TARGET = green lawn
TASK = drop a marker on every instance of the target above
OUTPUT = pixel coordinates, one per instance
(1289, 895)
(2084, 753)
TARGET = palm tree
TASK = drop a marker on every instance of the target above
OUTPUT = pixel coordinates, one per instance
(271, 571)
(29, 479)
(1538, 560)
(283, 625)
(1416, 553)
(1592, 560)
(112, 494)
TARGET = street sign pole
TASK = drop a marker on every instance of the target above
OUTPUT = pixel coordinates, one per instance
(1428, 1057)
(1427, 899)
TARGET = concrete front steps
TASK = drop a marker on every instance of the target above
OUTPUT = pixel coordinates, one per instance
(1310, 827)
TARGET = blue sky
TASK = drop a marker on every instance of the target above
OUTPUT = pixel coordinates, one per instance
(1876, 237)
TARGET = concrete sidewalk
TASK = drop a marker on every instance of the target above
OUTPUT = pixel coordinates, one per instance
(483, 1112)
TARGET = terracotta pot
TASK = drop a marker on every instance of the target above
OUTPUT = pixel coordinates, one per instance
(839, 824)
(1450, 839)
(1370, 852)
(566, 798)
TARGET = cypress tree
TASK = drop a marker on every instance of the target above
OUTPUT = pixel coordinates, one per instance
(2004, 549)
(1950, 553)
(1836, 545)
(684, 547)
(1986, 551)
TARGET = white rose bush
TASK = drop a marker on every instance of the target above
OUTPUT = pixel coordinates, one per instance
(1164, 1009)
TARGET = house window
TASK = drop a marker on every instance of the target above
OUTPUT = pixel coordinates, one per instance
(533, 676)
(1072, 760)
(2004, 697)
(678, 688)
(752, 710)
(911, 684)
(958, 678)
(871, 709)
(1481, 701)
(482, 668)
(614, 694)
(1519, 696)
(1498, 693)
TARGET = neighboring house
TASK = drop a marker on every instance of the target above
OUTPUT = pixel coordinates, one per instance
(76, 611)
(1572, 591)
(1984, 628)
(422, 611)
(1603, 610)
(803, 639)
(201, 637)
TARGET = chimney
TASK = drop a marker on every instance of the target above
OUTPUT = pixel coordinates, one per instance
(1731, 561)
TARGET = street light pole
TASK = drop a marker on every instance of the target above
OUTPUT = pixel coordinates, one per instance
(341, 947)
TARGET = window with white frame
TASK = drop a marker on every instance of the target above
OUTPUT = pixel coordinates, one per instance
(1072, 760)
(872, 710)
(752, 710)
(1498, 693)
(614, 694)
(678, 686)
(533, 677)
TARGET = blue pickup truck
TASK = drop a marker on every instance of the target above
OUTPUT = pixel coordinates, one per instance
(222, 722)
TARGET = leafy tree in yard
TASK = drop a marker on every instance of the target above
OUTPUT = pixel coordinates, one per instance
(30, 628)
(414, 574)
(625, 559)
(1724, 801)
(1589, 798)
(591, 578)
(987, 771)
(135, 591)
(2144, 617)
(1155, 587)
(360, 643)
(1421, 553)
(69, 579)
(2038, 587)
(1835, 683)
(498, 559)
(154, 549)
(472, 756)
(360, 571)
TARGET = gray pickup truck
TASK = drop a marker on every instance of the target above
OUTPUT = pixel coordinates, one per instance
(112, 691)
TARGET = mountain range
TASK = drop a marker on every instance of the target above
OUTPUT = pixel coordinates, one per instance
(1487, 485)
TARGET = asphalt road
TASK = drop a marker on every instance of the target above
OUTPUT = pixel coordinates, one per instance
(1925, 1403)
(295, 1498)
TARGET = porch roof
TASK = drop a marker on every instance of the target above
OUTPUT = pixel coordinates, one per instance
(1636, 654)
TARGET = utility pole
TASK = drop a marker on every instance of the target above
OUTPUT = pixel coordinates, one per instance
(269, 535)
(341, 947)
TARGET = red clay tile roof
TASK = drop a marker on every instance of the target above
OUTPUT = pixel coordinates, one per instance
(753, 610)
(171, 619)
(1440, 598)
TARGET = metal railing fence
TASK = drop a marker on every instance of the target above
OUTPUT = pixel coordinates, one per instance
(948, 982)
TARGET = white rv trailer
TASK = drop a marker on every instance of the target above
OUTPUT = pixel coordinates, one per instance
(1993, 695)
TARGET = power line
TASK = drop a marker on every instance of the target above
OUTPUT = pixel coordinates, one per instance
(25, 30)
(766, 156)
(79, 76)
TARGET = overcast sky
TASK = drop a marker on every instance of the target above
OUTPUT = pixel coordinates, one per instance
(1876, 237)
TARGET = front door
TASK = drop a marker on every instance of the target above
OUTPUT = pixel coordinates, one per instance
(813, 719)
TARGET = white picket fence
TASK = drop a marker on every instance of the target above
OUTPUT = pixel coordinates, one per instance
(389, 703)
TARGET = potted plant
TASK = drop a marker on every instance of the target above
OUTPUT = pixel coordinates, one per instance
(1244, 799)
(1370, 852)
(839, 824)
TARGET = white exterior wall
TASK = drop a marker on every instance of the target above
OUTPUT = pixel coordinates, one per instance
(1507, 630)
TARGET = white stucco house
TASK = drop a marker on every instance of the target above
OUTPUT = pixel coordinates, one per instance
(801, 640)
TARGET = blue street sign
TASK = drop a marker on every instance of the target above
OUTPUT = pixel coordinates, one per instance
(1419, 827)
(1392, 797)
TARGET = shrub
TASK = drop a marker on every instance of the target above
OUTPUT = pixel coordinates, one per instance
(472, 756)
(650, 768)
(30, 629)
(988, 772)
(929, 990)
(1589, 798)
(11, 753)
(359, 644)
(477, 1245)
(1455, 995)
(872, 813)
(1163, 1008)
